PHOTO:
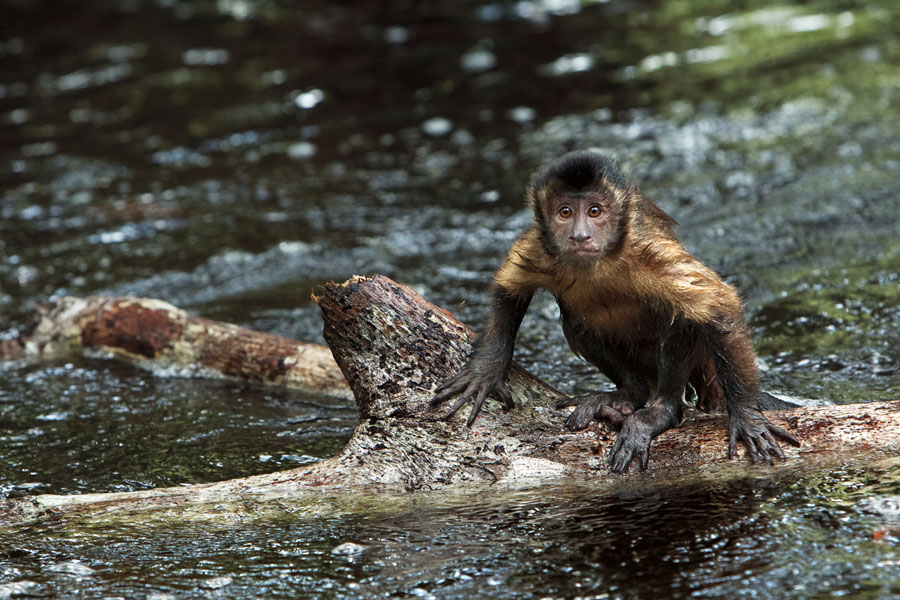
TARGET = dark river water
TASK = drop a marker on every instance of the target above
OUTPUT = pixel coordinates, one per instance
(229, 156)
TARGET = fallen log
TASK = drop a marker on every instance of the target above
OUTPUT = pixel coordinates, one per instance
(165, 340)
(394, 347)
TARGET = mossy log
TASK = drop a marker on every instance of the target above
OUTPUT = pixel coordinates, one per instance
(394, 347)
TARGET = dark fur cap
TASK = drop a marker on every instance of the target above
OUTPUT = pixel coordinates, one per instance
(576, 171)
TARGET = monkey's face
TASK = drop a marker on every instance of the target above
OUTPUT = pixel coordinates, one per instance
(581, 226)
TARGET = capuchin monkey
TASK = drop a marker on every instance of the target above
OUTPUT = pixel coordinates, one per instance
(634, 303)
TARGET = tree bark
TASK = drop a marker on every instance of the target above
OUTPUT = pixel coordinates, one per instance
(394, 347)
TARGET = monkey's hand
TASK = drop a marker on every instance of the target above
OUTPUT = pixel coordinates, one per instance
(599, 406)
(759, 436)
(632, 442)
(474, 382)
(639, 429)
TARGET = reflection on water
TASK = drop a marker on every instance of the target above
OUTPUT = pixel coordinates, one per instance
(798, 536)
(230, 156)
(105, 427)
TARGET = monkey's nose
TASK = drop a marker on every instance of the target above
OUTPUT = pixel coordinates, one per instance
(580, 237)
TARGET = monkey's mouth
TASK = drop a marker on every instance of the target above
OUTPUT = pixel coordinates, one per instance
(583, 252)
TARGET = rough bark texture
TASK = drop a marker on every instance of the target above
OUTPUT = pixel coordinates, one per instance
(394, 348)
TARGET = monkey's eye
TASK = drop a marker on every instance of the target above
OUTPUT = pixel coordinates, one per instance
(565, 212)
(594, 211)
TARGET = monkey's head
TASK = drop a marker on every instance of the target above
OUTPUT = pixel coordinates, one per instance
(579, 203)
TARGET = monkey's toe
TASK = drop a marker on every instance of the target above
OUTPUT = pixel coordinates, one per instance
(566, 402)
(579, 419)
(613, 418)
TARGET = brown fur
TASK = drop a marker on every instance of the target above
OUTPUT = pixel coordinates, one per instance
(633, 302)
(652, 270)
(651, 273)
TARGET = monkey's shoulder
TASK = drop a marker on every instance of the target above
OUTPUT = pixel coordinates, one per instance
(669, 276)
(647, 216)
(527, 266)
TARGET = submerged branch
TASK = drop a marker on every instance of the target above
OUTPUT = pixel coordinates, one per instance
(394, 347)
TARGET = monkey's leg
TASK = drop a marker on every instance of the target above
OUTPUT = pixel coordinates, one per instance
(612, 407)
(676, 359)
(632, 390)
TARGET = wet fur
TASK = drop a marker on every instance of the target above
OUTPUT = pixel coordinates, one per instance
(646, 282)
(633, 302)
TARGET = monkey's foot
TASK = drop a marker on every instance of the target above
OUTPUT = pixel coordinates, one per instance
(599, 406)
(759, 436)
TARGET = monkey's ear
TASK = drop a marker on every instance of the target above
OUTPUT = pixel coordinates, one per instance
(536, 197)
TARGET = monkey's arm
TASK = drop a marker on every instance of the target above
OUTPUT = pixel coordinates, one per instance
(677, 355)
(701, 297)
(485, 373)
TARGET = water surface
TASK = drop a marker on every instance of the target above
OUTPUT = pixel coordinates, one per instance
(231, 156)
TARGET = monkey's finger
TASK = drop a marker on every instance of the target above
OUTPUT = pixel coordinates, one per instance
(625, 408)
(755, 455)
(440, 397)
(446, 384)
(645, 457)
(732, 444)
(784, 435)
(476, 408)
(611, 416)
(443, 385)
(765, 445)
(772, 445)
(622, 461)
(751, 450)
(450, 383)
(573, 422)
(615, 449)
(764, 453)
(463, 398)
(616, 456)
(504, 394)
(447, 390)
